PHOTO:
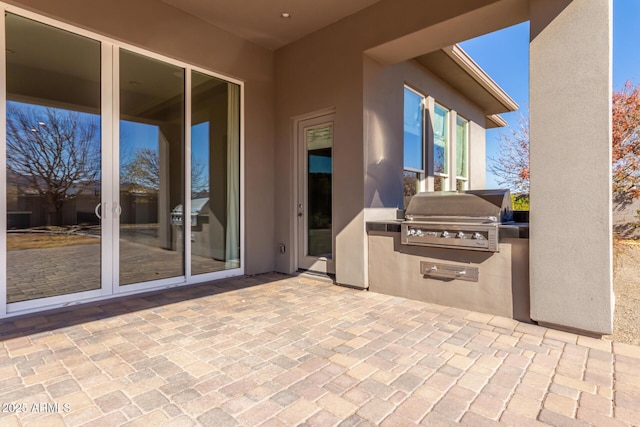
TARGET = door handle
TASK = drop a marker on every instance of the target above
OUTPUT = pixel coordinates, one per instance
(97, 210)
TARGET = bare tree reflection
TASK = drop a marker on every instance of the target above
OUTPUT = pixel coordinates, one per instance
(52, 153)
(142, 170)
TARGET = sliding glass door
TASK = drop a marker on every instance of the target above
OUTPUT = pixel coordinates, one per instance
(152, 100)
(215, 175)
(102, 145)
(53, 162)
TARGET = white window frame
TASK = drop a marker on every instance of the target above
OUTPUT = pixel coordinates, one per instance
(445, 177)
(421, 172)
(450, 179)
(463, 179)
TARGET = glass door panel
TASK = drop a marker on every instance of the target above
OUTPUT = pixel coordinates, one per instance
(215, 175)
(53, 161)
(319, 143)
(152, 95)
(315, 195)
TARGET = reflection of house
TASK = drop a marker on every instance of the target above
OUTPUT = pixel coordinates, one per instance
(31, 211)
(26, 207)
(349, 62)
(207, 234)
(139, 204)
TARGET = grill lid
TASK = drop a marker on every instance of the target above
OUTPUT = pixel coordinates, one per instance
(489, 205)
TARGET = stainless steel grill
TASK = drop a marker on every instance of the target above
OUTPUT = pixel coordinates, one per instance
(461, 220)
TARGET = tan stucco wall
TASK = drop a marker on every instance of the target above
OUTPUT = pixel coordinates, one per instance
(458, 21)
(318, 73)
(325, 70)
(502, 288)
(159, 28)
(383, 127)
(570, 125)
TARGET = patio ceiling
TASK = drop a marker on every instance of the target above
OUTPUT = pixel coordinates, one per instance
(261, 21)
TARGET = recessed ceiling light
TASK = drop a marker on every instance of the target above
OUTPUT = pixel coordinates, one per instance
(285, 15)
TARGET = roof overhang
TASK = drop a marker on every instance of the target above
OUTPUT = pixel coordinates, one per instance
(456, 68)
(495, 121)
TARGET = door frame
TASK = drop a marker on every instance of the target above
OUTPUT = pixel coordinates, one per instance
(114, 188)
(110, 117)
(302, 262)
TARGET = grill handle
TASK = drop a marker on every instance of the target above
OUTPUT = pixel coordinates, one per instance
(448, 271)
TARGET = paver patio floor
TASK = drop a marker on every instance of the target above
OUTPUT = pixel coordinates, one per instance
(286, 351)
(40, 273)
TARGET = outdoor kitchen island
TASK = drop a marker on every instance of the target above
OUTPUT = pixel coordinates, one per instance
(479, 261)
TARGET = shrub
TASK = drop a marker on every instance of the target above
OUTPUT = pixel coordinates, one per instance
(520, 202)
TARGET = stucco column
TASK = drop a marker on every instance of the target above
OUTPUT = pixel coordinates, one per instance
(570, 119)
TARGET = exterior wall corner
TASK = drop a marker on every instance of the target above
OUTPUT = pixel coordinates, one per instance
(570, 125)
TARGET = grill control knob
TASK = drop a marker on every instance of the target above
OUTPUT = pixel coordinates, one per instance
(478, 236)
(415, 232)
(446, 234)
(461, 235)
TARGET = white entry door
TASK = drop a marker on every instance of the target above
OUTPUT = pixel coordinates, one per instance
(315, 194)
